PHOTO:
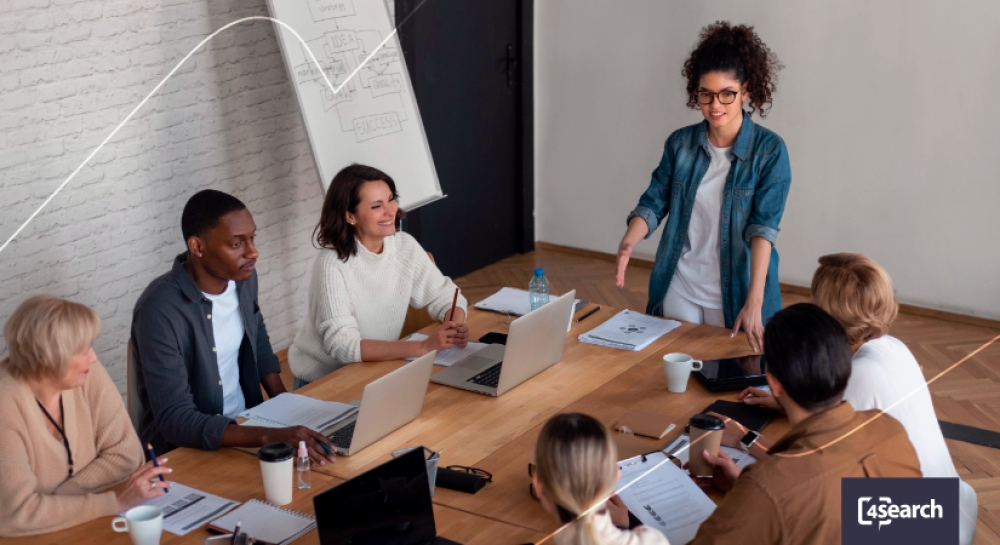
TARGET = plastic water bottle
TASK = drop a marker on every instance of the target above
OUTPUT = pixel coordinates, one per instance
(538, 289)
(302, 466)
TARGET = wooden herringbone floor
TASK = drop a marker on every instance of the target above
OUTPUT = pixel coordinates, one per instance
(969, 394)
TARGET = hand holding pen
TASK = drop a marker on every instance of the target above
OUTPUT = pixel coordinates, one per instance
(145, 483)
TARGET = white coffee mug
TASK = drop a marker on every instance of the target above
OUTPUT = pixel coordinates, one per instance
(276, 468)
(144, 524)
(678, 369)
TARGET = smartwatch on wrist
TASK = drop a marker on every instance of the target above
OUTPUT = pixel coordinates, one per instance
(748, 440)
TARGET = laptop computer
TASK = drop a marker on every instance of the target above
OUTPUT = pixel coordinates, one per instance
(535, 343)
(386, 405)
(386, 505)
(732, 373)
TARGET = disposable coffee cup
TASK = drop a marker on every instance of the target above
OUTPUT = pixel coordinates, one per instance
(678, 369)
(706, 434)
(277, 466)
(144, 524)
(432, 463)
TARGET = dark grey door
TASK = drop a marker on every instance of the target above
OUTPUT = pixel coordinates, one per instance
(467, 62)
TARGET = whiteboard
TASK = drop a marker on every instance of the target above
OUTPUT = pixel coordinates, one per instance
(373, 119)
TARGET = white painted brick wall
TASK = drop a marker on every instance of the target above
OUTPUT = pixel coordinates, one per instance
(70, 71)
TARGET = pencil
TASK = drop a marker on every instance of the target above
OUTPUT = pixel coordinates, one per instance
(454, 302)
(236, 531)
(589, 314)
(156, 463)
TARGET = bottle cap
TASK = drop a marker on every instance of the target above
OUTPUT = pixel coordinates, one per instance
(303, 453)
(539, 272)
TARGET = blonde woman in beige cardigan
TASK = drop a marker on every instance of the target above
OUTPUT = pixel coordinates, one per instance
(65, 437)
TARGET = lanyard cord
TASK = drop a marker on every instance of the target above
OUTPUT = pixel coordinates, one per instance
(65, 440)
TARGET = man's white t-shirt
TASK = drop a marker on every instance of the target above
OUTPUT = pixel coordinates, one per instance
(698, 277)
(227, 327)
(883, 371)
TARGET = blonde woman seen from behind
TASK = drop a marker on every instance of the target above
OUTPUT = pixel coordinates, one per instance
(65, 437)
(575, 477)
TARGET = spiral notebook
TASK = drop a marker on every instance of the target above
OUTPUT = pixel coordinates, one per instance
(265, 523)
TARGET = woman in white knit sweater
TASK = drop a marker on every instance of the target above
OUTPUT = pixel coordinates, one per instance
(366, 276)
(858, 292)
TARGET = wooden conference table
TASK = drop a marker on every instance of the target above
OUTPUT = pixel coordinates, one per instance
(494, 434)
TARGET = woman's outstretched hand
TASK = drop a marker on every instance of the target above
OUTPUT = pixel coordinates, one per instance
(749, 319)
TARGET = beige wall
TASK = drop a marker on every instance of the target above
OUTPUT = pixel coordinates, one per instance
(889, 110)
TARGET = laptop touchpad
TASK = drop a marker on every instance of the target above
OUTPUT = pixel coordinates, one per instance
(478, 363)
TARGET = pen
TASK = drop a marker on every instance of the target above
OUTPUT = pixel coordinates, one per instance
(454, 302)
(236, 532)
(156, 463)
(587, 315)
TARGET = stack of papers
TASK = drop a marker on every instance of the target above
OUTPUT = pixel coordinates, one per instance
(451, 356)
(662, 496)
(185, 508)
(288, 410)
(514, 302)
(629, 330)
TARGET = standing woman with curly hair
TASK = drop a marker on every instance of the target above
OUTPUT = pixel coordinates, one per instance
(721, 185)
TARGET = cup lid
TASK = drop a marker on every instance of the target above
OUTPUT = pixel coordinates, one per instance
(707, 422)
(275, 452)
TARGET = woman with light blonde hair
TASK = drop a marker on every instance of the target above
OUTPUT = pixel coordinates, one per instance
(65, 437)
(858, 292)
(575, 477)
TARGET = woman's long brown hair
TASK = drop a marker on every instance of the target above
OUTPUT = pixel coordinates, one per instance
(344, 195)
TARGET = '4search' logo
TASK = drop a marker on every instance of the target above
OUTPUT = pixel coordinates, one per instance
(885, 511)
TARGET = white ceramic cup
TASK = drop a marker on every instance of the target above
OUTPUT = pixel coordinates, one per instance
(678, 369)
(144, 524)
(277, 467)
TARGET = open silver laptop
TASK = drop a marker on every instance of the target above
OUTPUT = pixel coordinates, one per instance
(534, 344)
(386, 405)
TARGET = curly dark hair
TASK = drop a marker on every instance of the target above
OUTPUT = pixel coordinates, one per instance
(333, 232)
(739, 51)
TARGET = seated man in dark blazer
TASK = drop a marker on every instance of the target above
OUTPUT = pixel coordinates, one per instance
(200, 348)
(792, 493)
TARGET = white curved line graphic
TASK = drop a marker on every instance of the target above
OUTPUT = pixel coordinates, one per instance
(172, 72)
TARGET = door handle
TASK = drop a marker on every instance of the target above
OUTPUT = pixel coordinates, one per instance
(511, 65)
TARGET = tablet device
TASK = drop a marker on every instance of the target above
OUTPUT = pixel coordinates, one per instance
(732, 373)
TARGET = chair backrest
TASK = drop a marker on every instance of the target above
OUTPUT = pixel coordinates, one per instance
(133, 386)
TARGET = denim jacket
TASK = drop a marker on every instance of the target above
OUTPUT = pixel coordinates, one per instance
(752, 204)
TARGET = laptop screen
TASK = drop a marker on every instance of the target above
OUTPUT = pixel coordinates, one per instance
(390, 504)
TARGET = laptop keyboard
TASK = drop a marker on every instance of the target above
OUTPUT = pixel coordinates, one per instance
(342, 437)
(489, 378)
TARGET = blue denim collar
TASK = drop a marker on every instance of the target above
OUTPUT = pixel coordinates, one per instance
(742, 139)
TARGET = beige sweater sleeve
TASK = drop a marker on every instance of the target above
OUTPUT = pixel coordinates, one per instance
(23, 509)
(119, 452)
(335, 322)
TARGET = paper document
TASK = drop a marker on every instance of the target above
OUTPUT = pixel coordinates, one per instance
(298, 410)
(629, 330)
(185, 508)
(514, 301)
(665, 498)
(678, 448)
(451, 356)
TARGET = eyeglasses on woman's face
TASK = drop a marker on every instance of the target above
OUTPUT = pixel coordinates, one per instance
(725, 97)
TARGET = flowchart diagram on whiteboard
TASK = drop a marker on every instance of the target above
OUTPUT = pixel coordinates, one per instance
(372, 118)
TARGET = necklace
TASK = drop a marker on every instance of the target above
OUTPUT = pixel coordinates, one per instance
(62, 432)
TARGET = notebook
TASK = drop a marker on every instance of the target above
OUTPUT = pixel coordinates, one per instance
(629, 330)
(516, 302)
(288, 410)
(265, 523)
(645, 423)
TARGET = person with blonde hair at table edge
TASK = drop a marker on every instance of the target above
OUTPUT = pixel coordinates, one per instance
(65, 436)
(574, 475)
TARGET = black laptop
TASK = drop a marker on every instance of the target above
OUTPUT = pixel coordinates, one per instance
(387, 505)
(732, 373)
